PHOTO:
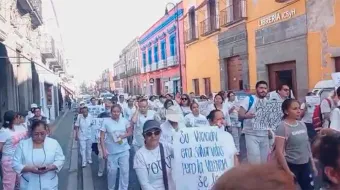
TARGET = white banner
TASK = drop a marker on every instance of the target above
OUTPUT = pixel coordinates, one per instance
(268, 115)
(97, 123)
(313, 100)
(201, 155)
(96, 110)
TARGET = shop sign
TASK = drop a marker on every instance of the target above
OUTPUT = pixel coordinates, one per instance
(276, 17)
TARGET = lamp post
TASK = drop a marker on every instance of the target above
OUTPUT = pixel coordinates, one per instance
(178, 42)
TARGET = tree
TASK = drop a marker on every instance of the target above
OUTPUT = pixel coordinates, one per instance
(83, 88)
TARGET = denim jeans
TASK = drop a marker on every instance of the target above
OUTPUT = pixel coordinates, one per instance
(257, 149)
(236, 133)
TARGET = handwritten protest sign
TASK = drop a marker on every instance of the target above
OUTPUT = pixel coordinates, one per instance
(336, 79)
(201, 155)
(313, 100)
(268, 115)
(96, 125)
(204, 107)
(96, 110)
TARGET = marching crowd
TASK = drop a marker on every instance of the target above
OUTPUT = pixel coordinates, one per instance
(305, 143)
(148, 125)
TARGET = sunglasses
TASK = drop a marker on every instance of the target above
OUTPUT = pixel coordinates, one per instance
(184, 99)
(150, 133)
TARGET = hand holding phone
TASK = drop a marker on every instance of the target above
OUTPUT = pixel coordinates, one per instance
(42, 168)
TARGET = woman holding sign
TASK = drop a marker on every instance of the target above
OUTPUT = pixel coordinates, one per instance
(151, 158)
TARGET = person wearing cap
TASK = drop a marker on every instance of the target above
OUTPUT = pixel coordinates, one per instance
(115, 147)
(141, 115)
(172, 124)
(31, 112)
(10, 135)
(148, 162)
(83, 134)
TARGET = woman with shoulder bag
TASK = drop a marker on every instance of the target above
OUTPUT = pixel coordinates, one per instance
(151, 158)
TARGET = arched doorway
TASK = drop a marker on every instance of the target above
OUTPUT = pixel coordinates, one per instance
(5, 79)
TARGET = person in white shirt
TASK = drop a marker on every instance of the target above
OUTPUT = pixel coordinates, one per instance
(185, 103)
(219, 105)
(148, 161)
(307, 111)
(195, 119)
(233, 107)
(10, 136)
(84, 135)
(171, 125)
(282, 92)
(141, 115)
(115, 148)
(122, 101)
(327, 105)
(38, 160)
(257, 141)
(335, 114)
(130, 109)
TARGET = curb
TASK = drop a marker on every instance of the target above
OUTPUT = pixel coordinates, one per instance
(73, 170)
(56, 122)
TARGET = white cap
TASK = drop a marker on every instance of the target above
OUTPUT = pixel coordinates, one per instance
(34, 105)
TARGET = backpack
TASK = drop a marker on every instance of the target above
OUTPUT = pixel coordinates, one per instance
(251, 102)
(317, 116)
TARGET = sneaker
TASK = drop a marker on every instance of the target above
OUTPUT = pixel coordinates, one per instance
(100, 174)
(90, 161)
(84, 164)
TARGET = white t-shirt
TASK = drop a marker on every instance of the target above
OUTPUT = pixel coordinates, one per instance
(233, 115)
(147, 164)
(168, 132)
(326, 106)
(335, 119)
(196, 121)
(113, 129)
(138, 138)
(225, 111)
(128, 112)
(11, 139)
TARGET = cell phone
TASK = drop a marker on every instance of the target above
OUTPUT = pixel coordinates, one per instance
(42, 168)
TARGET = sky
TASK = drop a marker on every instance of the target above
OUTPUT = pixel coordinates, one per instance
(95, 31)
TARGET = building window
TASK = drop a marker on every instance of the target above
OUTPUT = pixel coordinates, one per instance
(173, 45)
(196, 85)
(144, 59)
(192, 25)
(163, 50)
(155, 53)
(207, 86)
(150, 56)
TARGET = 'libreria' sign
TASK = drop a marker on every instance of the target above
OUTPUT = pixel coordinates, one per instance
(276, 17)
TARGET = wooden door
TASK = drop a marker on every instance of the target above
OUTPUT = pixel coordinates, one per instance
(234, 73)
(158, 86)
(274, 72)
(337, 64)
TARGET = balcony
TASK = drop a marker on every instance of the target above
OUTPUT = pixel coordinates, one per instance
(233, 13)
(172, 61)
(47, 48)
(209, 25)
(191, 34)
(122, 75)
(33, 7)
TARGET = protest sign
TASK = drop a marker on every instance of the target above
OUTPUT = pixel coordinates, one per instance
(201, 155)
(313, 100)
(336, 79)
(96, 110)
(205, 107)
(96, 124)
(268, 115)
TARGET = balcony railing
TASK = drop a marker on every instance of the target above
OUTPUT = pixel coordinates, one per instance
(122, 75)
(209, 25)
(47, 47)
(191, 34)
(233, 13)
(33, 7)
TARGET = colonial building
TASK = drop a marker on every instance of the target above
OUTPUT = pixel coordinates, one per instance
(107, 83)
(293, 41)
(30, 63)
(162, 55)
(119, 74)
(132, 63)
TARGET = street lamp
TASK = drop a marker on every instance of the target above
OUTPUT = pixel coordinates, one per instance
(178, 42)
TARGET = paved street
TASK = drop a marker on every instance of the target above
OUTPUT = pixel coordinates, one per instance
(62, 133)
(100, 183)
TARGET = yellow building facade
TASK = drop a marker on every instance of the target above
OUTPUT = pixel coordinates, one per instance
(201, 29)
(294, 41)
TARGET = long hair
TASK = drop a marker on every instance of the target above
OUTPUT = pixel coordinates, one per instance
(255, 177)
